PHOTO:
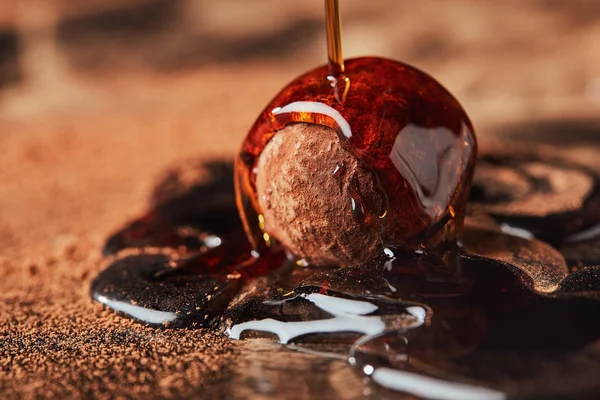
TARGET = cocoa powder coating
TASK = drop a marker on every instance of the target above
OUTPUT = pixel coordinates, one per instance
(317, 198)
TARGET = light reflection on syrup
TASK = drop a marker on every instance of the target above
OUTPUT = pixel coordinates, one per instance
(471, 319)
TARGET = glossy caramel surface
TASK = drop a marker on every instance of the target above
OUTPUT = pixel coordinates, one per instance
(399, 121)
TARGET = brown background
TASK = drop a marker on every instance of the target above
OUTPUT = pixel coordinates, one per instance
(98, 97)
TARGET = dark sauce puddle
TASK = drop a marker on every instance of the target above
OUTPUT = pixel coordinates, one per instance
(512, 319)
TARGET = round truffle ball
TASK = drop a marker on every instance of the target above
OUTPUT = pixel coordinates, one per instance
(336, 169)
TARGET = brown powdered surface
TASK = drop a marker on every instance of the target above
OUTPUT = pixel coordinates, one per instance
(61, 195)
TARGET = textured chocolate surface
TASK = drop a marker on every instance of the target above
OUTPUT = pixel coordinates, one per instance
(307, 205)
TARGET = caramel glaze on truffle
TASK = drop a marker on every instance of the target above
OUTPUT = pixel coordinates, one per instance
(317, 198)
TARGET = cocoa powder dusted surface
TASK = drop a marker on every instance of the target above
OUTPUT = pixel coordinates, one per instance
(54, 342)
(87, 125)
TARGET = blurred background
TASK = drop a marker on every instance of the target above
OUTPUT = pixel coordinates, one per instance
(98, 96)
(503, 60)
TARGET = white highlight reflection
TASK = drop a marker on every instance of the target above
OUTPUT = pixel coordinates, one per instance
(141, 313)
(316, 107)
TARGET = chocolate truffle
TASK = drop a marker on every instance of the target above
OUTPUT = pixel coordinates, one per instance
(392, 168)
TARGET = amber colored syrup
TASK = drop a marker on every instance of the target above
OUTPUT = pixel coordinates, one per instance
(397, 120)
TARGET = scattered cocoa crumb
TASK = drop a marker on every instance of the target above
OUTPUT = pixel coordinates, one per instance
(55, 213)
